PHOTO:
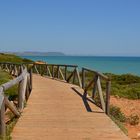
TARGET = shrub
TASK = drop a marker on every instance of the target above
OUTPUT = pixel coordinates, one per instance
(117, 114)
(133, 119)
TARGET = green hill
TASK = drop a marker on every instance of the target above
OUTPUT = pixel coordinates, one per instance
(12, 58)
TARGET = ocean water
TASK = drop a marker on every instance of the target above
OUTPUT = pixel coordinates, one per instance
(116, 65)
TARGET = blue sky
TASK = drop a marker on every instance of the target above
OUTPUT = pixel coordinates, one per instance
(82, 27)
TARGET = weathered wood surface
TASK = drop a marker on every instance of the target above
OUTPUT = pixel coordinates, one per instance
(58, 111)
(25, 82)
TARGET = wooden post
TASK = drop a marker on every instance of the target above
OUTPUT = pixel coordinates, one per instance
(31, 80)
(79, 79)
(27, 94)
(2, 114)
(83, 78)
(11, 107)
(65, 72)
(12, 68)
(7, 69)
(16, 71)
(58, 72)
(46, 69)
(89, 85)
(49, 71)
(36, 69)
(40, 69)
(2, 120)
(108, 88)
(70, 76)
(53, 71)
(61, 73)
(101, 94)
(21, 94)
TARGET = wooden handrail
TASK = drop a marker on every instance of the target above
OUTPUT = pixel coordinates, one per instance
(24, 80)
(95, 84)
(97, 73)
(59, 71)
(70, 74)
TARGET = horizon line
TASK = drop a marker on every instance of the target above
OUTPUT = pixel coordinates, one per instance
(65, 54)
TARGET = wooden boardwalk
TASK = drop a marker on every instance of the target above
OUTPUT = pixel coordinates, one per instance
(57, 111)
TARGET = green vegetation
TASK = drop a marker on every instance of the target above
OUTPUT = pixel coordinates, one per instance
(13, 91)
(118, 117)
(122, 86)
(117, 114)
(12, 94)
(13, 58)
(120, 125)
(126, 86)
(5, 77)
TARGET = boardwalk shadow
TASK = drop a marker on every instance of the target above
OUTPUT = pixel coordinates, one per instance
(86, 101)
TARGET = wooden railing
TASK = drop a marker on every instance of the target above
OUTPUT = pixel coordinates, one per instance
(95, 85)
(13, 69)
(24, 81)
(61, 71)
(68, 73)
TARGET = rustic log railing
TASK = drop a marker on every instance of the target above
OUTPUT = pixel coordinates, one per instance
(95, 84)
(68, 73)
(61, 72)
(23, 79)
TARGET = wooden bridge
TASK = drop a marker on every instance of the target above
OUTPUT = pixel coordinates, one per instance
(57, 108)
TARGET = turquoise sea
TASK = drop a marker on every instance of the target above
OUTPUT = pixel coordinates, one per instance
(117, 65)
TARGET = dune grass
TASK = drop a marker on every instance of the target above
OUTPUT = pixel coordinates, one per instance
(126, 86)
(13, 58)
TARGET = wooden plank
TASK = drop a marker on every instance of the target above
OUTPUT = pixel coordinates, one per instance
(62, 65)
(27, 94)
(108, 88)
(89, 85)
(100, 94)
(65, 72)
(2, 120)
(31, 80)
(79, 79)
(16, 71)
(22, 91)
(83, 78)
(68, 79)
(58, 72)
(98, 73)
(46, 69)
(1, 96)
(36, 69)
(53, 71)
(61, 73)
(56, 111)
(7, 69)
(11, 107)
(49, 71)
(14, 81)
